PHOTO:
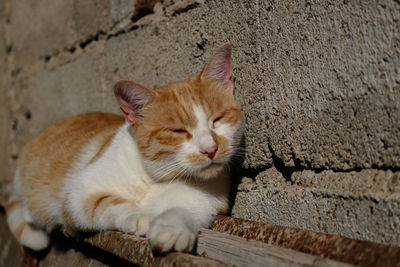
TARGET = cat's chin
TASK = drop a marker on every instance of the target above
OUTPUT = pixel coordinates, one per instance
(211, 167)
(210, 171)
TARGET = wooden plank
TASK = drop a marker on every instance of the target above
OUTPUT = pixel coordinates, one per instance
(241, 252)
(137, 250)
(334, 247)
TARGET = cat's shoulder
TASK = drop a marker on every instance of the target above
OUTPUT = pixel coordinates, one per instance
(73, 133)
(98, 118)
(93, 122)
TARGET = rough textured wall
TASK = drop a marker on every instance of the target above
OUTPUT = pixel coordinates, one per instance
(331, 83)
(319, 84)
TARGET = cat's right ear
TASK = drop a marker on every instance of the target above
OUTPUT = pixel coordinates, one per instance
(132, 97)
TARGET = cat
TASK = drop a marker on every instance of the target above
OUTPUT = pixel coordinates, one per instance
(160, 171)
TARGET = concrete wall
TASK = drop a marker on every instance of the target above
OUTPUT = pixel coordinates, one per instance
(319, 83)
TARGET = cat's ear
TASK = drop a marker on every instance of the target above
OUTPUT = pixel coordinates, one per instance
(132, 97)
(219, 67)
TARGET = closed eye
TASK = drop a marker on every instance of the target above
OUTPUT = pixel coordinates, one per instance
(218, 119)
(179, 130)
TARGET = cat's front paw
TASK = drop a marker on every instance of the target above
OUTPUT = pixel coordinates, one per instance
(168, 233)
(136, 225)
(165, 238)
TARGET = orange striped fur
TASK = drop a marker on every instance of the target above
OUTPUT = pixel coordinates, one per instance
(101, 201)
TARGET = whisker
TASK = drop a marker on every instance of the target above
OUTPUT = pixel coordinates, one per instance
(164, 171)
(175, 168)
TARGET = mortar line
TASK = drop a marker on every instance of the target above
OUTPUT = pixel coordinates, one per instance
(112, 33)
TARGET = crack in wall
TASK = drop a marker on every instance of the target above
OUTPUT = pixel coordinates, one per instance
(182, 9)
(18, 75)
(140, 18)
(287, 171)
(143, 8)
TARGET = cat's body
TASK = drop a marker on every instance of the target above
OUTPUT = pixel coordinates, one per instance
(164, 177)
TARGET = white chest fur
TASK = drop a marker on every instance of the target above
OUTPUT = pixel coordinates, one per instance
(120, 171)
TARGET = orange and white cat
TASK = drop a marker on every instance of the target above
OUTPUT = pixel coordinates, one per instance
(160, 172)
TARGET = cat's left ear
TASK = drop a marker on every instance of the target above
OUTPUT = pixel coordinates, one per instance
(132, 97)
(219, 67)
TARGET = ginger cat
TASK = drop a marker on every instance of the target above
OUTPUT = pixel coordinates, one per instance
(160, 172)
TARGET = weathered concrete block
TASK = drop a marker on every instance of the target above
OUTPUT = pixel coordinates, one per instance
(91, 17)
(180, 44)
(41, 29)
(3, 23)
(121, 11)
(5, 118)
(5, 128)
(68, 90)
(4, 49)
(65, 91)
(329, 88)
(362, 205)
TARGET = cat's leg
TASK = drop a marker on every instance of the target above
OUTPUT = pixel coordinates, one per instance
(182, 211)
(23, 226)
(21, 222)
(108, 211)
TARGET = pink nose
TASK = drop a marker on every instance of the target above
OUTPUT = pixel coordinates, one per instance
(210, 151)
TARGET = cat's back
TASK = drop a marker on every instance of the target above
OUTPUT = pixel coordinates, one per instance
(49, 156)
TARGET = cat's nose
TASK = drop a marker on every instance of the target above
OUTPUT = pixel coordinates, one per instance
(210, 151)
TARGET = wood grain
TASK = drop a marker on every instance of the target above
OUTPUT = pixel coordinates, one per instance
(241, 252)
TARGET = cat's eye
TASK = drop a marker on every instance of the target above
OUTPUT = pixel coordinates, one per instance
(217, 120)
(179, 130)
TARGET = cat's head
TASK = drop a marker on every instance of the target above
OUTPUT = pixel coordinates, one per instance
(186, 129)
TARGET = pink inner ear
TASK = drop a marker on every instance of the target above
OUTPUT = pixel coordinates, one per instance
(132, 97)
(128, 111)
(219, 67)
(229, 84)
